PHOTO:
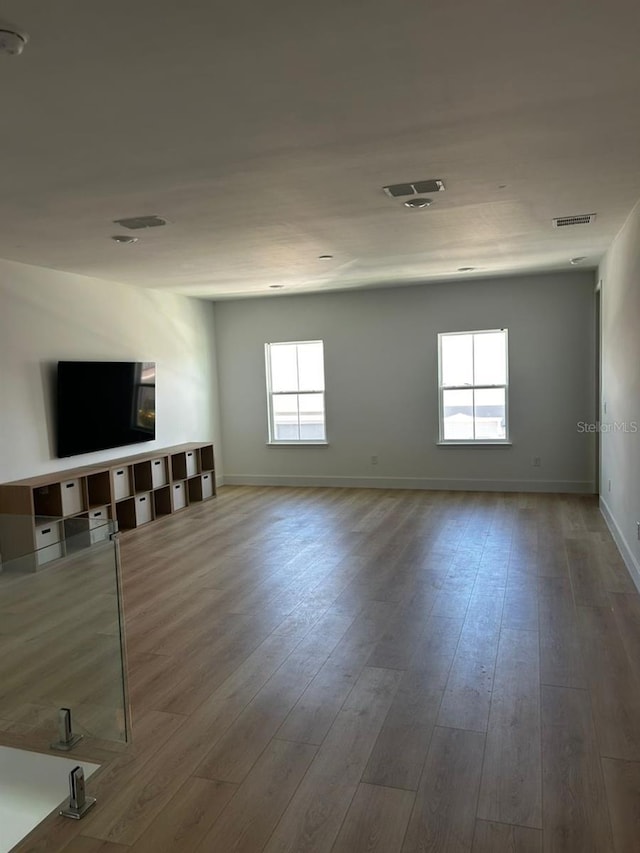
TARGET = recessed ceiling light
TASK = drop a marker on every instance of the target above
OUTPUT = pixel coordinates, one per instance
(418, 203)
(276, 286)
(12, 42)
(466, 269)
(325, 257)
(124, 239)
(578, 260)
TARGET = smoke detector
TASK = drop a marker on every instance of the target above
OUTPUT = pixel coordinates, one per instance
(12, 42)
(576, 219)
(124, 239)
(418, 203)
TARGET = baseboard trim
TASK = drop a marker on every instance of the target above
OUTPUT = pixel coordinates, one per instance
(422, 483)
(623, 546)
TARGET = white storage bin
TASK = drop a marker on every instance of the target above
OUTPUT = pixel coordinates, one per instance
(178, 496)
(144, 509)
(98, 526)
(207, 486)
(191, 462)
(71, 496)
(98, 516)
(51, 552)
(158, 473)
(47, 534)
(121, 483)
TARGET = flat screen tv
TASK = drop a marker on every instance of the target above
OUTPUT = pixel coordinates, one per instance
(103, 404)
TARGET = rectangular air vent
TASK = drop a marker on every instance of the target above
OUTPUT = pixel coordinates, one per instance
(135, 222)
(578, 219)
(434, 185)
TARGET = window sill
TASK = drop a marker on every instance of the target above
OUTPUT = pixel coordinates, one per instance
(297, 443)
(474, 443)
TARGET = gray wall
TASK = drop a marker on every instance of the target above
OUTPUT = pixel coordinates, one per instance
(620, 440)
(381, 379)
(46, 316)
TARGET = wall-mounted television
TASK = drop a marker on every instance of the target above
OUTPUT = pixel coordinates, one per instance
(104, 404)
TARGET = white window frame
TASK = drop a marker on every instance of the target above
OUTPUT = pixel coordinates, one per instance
(272, 440)
(441, 388)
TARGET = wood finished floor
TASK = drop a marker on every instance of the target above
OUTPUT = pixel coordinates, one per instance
(317, 670)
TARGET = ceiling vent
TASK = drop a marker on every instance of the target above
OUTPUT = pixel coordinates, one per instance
(578, 219)
(434, 185)
(135, 222)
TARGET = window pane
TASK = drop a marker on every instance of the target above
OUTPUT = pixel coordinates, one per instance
(457, 415)
(457, 359)
(312, 417)
(284, 368)
(285, 417)
(311, 367)
(490, 359)
(490, 413)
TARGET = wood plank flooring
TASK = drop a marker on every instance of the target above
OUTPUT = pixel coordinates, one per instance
(351, 671)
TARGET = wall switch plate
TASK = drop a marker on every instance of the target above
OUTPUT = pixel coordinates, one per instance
(537, 462)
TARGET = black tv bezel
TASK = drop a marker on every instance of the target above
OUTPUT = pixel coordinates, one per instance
(67, 445)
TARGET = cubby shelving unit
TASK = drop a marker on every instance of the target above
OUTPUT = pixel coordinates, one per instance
(52, 515)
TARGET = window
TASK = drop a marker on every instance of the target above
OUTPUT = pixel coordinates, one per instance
(295, 392)
(473, 386)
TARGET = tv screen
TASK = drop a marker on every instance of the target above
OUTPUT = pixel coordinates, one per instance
(103, 404)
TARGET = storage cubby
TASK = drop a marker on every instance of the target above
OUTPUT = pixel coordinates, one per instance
(126, 514)
(134, 512)
(47, 500)
(184, 464)
(43, 518)
(201, 487)
(99, 489)
(76, 534)
(206, 458)
(162, 501)
(150, 474)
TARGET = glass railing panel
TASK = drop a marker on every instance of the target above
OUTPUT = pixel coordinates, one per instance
(61, 631)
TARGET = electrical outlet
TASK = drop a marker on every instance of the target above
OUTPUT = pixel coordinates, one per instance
(374, 460)
(537, 462)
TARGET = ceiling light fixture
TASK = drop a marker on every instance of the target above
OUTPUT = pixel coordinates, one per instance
(466, 269)
(325, 257)
(418, 203)
(124, 239)
(12, 42)
(575, 261)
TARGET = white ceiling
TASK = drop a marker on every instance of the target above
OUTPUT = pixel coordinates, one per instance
(264, 131)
